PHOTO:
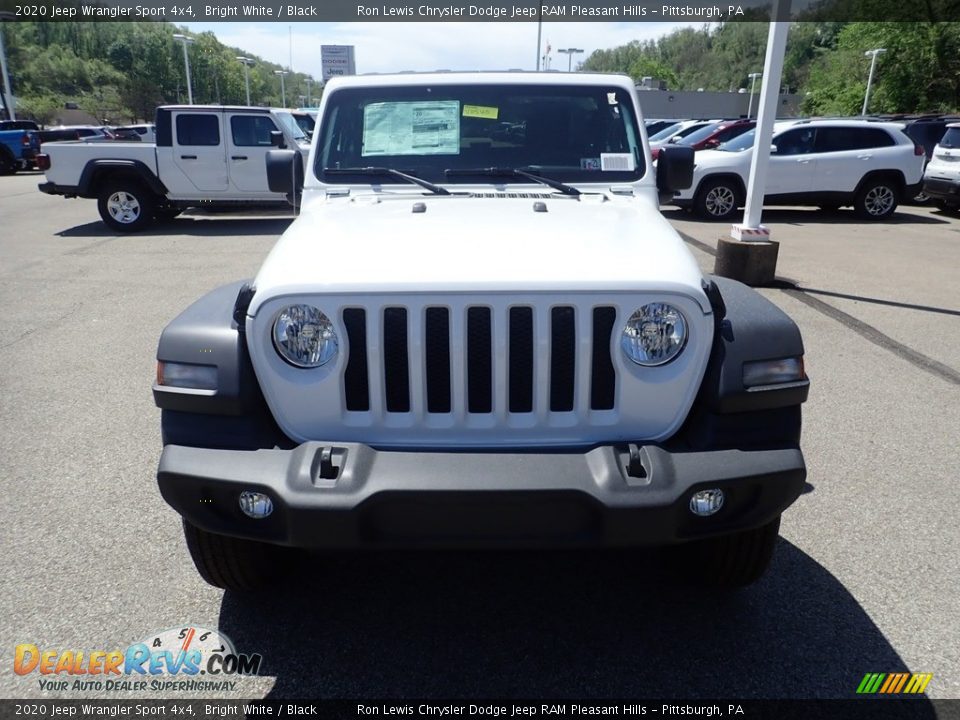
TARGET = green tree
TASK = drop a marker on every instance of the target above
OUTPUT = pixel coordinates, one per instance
(919, 72)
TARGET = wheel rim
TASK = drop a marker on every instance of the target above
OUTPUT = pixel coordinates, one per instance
(719, 201)
(879, 200)
(123, 207)
(921, 197)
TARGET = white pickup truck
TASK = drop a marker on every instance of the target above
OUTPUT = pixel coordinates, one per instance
(205, 155)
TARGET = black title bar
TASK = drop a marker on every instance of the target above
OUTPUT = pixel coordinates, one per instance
(288, 11)
(918, 708)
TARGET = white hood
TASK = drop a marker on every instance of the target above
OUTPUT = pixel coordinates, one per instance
(377, 243)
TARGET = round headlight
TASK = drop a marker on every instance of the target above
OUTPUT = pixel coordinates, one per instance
(654, 335)
(304, 336)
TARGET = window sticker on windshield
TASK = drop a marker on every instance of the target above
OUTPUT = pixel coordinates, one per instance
(589, 163)
(411, 128)
(481, 111)
(616, 161)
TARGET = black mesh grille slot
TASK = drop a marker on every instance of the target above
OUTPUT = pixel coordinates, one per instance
(603, 381)
(479, 361)
(437, 358)
(563, 340)
(356, 389)
(396, 370)
(521, 360)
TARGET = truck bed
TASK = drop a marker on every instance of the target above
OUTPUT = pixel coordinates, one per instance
(68, 158)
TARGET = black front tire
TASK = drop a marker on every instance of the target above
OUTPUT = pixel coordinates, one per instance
(729, 561)
(8, 165)
(717, 199)
(233, 563)
(945, 207)
(126, 206)
(877, 199)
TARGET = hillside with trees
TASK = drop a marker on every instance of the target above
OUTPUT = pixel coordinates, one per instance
(122, 71)
(824, 62)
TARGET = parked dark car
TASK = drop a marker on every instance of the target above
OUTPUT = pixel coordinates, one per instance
(655, 126)
(58, 135)
(18, 125)
(713, 135)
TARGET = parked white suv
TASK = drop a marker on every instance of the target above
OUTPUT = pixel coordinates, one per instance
(830, 163)
(941, 180)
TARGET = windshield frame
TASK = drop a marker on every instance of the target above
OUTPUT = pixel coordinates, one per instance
(290, 125)
(432, 167)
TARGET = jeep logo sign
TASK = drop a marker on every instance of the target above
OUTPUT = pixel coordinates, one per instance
(337, 60)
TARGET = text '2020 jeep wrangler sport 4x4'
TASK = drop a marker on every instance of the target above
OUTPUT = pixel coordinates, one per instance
(480, 331)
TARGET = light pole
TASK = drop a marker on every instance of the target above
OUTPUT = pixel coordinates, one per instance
(539, 35)
(7, 94)
(569, 52)
(873, 64)
(247, 62)
(186, 62)
(753, 81)
(309, 96)
(283, 87)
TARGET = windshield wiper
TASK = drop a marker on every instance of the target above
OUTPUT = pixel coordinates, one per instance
(513, 172)
(436, 189)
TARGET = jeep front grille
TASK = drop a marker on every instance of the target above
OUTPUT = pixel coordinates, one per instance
(438, 360)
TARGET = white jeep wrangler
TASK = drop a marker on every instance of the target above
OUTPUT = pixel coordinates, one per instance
(480, 332)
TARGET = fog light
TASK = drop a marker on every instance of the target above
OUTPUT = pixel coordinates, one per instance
(255, 504)
(187, 375)
(706, 502)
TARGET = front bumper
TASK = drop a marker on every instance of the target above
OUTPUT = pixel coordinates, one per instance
(50, 188)
(344, 495)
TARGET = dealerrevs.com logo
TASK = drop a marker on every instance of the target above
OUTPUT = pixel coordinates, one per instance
(170, 660)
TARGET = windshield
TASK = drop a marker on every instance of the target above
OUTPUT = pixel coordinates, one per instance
(306, 122)
(739, 143)
(666, 132)
(698, 135)
(438, 132)
(291, 126)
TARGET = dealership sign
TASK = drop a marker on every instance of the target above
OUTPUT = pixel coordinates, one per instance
(337, 60)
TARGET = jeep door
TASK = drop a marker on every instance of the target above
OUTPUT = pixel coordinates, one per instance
(248, 141)
(793, 166)
(845, 154)
(195, 165)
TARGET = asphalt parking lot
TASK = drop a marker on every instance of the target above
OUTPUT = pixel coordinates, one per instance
(865, 577)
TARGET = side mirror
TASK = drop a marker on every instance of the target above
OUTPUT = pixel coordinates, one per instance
(773, 150)
(675, 139)
(674, 170)
(285, 173)
(712, 143)
(276, 139)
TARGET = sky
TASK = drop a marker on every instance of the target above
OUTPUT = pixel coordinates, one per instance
(398, 46)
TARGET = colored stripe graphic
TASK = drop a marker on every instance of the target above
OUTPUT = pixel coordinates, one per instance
(870, 683)
(918, 683)
(903, 679)
(894, 683)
